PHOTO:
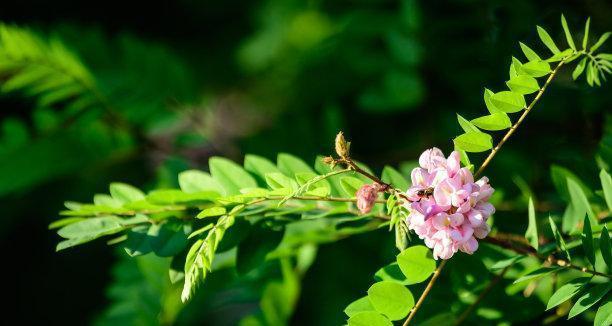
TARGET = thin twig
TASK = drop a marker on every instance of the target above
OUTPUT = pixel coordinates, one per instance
(433, 279)
(486, 291)
(529, 251)
(519, 121)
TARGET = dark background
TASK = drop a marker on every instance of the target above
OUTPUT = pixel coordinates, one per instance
(275, 76)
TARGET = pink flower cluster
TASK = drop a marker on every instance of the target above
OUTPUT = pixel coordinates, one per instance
(447, 208)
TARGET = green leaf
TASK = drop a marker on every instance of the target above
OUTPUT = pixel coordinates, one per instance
(279, 181)
(559, 177)
(606, 185)
(92, 227)
(542, 271)
(252, 251)
(474, 142)
(601, 41)
(515, 67)
(532, 229)
(494, 121)
(125, 193)
(604, 314)
(585, 39)
(357, 306)
(508, 101)
(350, 185)
(230, 175)
(567, 291)
(579, 201)
(259, 166)
(106, 200)
(529, 53)
(579, 68)
(194, 181)
(566, 54)
(505, 263)
(290, 165)
(590, 298)
(547, 40)
(523, 84)
(466, 125)
(391, 299)
(138, 241)
(587, 241)
(487, 99)
(558, 237)
(72, 242)
(416, 263)
(568, 34)
(212, 211)
(605, 245)
(170, 238)
(64, 221)
(536, 68)
(394, 177)
(392, 272)
(369, 318)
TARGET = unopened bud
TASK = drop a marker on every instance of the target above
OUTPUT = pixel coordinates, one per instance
(366, 197)
(342, 146)
(328, 160)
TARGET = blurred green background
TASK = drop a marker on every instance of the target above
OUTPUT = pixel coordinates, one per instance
(180, 81)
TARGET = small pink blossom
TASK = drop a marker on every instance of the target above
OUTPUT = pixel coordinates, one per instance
(366, 197)
(448, 210)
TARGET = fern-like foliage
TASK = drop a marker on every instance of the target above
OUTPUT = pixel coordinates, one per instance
(46, 70)
(523, 82)
(207, 206)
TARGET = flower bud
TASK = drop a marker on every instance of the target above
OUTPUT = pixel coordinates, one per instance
(328, 160)
(366, 197)
(342, 146)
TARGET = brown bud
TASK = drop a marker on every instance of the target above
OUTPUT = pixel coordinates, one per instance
(328, 160)
(342, 146)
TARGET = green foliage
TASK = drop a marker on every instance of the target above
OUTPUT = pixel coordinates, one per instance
(254, 216)
(523, 82)
(389, 296)
(588, 299)
(532, 229)
(369, 318)
(566, 292)
(391, 299)
(416, 263)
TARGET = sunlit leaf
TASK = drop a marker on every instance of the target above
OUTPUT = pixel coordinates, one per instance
(606, 184)
(391, 299)
(591, 297)
(536, 68)
(359, 305)
(508, 101)
(568, 34)
(474, 142)
(416, 263)
(529, 53)
(567, 291)
(523, 84)
(369, 318)
(547, 40)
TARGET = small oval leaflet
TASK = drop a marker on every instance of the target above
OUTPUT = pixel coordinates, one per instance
(391, 299)
(416, 263)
